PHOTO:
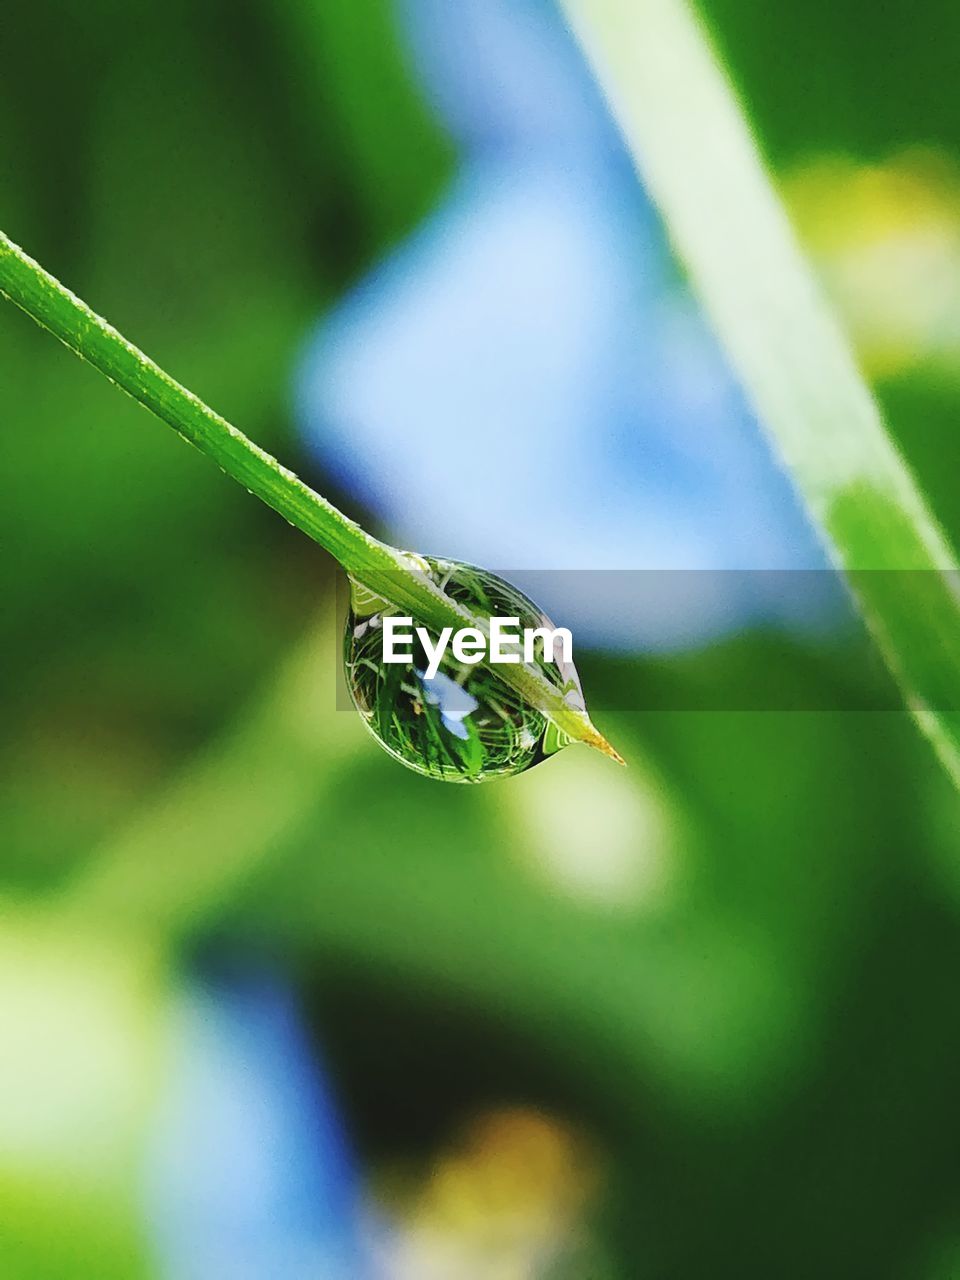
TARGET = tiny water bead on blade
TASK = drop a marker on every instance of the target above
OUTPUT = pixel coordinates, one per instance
(464, 724)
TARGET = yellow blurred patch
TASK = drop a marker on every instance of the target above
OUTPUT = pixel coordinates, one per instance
(886, 239)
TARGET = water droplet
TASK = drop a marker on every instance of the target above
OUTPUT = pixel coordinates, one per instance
(464, 724)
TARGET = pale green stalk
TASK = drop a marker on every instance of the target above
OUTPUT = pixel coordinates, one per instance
(693, 147)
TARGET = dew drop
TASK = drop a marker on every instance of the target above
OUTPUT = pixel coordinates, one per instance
(464, 724)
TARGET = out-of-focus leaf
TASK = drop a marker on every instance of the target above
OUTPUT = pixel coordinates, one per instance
(82, 1044)
(392, 152)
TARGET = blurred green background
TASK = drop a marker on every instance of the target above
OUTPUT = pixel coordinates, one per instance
(693, 1019)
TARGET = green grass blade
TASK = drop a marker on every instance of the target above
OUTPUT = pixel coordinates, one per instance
(386, 570)
(695, 152)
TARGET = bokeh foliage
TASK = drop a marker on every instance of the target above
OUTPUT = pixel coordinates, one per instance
(763, 1038)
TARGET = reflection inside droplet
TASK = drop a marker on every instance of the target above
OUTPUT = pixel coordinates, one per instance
(462, 724)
